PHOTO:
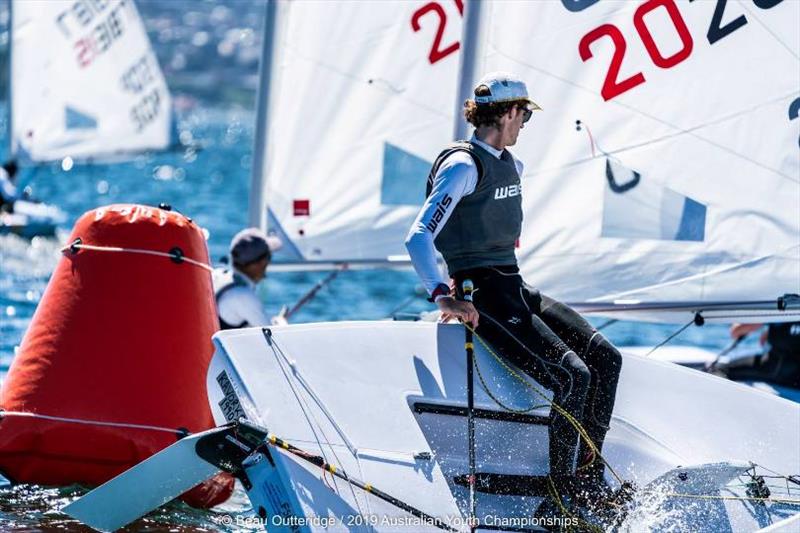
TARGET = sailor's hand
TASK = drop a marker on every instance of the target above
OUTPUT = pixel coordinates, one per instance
(463, 311)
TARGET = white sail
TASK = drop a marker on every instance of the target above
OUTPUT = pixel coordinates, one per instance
(683, 182)
(84, 81)
(362, 101)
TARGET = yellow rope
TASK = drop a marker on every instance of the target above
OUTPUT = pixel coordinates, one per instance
(585, 436)
(575, 423)
(551, 488)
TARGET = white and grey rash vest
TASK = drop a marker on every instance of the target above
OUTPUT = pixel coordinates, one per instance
(489, 217)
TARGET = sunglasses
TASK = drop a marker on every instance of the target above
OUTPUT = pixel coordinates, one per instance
(526, 114)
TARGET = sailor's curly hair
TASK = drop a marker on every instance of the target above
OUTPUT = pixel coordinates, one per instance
(487, 114)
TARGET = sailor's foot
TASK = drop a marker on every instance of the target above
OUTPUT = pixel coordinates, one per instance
(608, 505)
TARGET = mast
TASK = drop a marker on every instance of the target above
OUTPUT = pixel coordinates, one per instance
(267, 68)
(470, 38)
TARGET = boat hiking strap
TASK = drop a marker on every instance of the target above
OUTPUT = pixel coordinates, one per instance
(551, 487)
(367, 487)
(175, 254)
(560, 410)
(179, 432)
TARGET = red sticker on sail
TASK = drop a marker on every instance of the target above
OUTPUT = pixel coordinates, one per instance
(302, 208)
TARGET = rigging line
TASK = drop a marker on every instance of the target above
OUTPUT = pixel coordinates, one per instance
(395, 92)
(336, 457)
(694, 277)
(790, 501)
(791, 477)
(348, 444)
(367, 487)
(553, 405)
(764, 314)
(681, 131)
(607, 323)
(297, 398)
(307, 386)
(370, 451)
(665, 341)
(497, 400)
(402, 305)
(772, 33)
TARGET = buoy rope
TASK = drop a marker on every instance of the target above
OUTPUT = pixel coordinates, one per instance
(174, 255)
(21, 414)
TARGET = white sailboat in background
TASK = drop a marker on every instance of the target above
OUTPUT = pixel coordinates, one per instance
(85, 84)
(684, 199)
(356, 101)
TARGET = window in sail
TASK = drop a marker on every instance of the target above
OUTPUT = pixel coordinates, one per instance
(77, 120)
(404, 174)
(634, 208)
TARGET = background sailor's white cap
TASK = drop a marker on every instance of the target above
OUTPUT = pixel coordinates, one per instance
(251, 244)
(503, 87)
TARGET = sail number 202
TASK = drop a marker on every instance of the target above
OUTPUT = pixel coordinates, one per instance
(613, 86)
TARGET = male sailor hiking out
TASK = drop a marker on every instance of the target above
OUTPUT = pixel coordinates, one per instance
(473, 216)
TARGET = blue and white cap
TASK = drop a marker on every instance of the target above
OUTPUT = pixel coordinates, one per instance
(504, 87)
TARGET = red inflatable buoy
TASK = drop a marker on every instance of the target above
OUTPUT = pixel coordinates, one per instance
(121, 340)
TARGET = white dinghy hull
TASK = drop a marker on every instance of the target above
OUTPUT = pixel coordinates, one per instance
(386, 402)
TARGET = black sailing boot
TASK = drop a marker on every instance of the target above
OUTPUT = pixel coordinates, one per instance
(594, 494)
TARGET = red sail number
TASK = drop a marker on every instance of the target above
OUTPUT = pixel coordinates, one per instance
(612, 87)
(647, 37)
(437, 53)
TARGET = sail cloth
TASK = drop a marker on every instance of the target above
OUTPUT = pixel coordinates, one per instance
(363, 100)
(682, 181)
(84, 81)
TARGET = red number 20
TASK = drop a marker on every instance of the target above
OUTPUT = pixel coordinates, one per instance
(612, 87)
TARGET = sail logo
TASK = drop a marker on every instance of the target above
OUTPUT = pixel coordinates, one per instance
(509, 191)
(438, 215)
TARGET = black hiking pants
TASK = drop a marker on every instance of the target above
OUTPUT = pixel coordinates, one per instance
(558, 348)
